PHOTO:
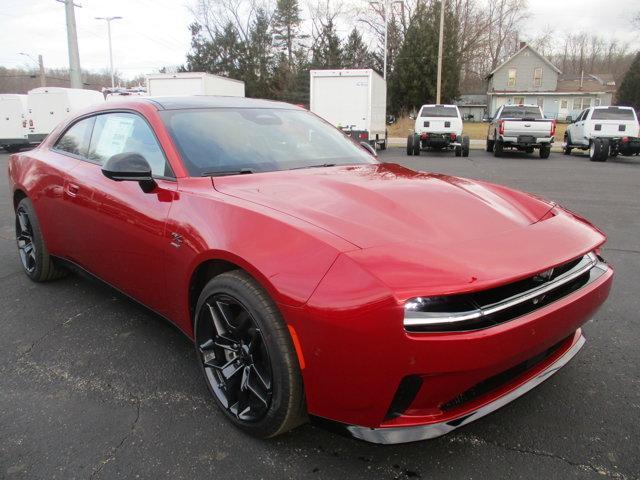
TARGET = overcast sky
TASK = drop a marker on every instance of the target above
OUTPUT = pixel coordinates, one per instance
(154, 33)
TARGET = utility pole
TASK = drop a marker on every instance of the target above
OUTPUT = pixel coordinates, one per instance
(108, 20)
(72, 40)
(386, 4)
(440, 48)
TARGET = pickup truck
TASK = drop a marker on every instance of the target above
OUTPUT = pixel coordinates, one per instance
(604, 131)
(520, 127)
(438, 127)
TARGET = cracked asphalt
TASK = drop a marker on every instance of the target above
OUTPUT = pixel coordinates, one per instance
(93, 385)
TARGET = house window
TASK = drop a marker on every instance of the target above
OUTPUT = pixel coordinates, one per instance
(581, 103)
(541, 102)
(518, 100)
(564, 104)
(511, 79)
(596, 102)
(537, 77)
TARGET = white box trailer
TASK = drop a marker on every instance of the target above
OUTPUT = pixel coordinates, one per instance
(352, 100)
(193, 83)
(13, 121)
(48, 106)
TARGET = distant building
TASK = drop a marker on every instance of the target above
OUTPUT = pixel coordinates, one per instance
(528, 77)
(472, 107)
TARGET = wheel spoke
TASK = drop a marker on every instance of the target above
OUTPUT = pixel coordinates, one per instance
(23, 221)
(226, 343)
(217, 322)
(257, 388)
(226, 314)
(256, 340)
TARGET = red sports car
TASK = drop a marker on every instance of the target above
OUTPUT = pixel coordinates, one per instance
(315, 281)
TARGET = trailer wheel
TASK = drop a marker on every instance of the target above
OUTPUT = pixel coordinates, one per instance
(416, 144)
(497, 148)
(599, 150)
(410, 145)
(465, 145)
(545, 151)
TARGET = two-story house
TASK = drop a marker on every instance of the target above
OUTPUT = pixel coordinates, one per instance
(529, 78)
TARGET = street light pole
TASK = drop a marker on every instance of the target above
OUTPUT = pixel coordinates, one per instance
(440, 48)
(108, 20)
(40, 63)
(386, 4)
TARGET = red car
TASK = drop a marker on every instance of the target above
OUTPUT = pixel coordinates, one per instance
(315, 281)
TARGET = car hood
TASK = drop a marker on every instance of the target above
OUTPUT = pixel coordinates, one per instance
(375, 205)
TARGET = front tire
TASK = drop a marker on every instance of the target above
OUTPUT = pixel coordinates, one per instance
(465, 145)
(247, 356)
(567, 144)
(410, 145)
(497, 148)
(490, 145)
(36, 261)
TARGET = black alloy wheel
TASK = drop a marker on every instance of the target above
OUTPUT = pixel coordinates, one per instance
(24, 238)
(235, 358)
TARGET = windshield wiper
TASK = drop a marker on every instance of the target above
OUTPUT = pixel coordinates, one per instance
(321, 165)
(221, 173)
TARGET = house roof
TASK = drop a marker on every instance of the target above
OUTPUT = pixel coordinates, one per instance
(587, 83)
(522, 49)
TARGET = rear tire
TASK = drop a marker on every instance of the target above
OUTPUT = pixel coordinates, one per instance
(410, 145)
(545, 151)
(599, 150)
(497, 148)
(36, 261)
(416, 145)
(465, 146)
(490, 145)
(457, 151)
(262, 391)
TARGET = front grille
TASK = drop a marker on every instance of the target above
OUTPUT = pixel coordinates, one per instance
(504, 303)
(503, 378)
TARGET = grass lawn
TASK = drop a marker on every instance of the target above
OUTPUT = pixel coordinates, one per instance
(475, 130)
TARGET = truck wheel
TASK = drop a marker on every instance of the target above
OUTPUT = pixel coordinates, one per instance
(489, 145)
(497, 148)
(599, 150)
(545, 151)
(567, 142)
(458, 151)
(465, 145)
(416, 144)
(529, 149)
(410, 145)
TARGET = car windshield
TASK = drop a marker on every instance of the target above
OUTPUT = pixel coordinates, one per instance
(612, 113)
(220, 141)
(439, 111)
(521, 112)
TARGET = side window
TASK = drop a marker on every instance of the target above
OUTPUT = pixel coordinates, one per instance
(76, 139)
(127, 132)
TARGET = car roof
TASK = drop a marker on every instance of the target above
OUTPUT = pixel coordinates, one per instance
(439, 105)
(211, 101)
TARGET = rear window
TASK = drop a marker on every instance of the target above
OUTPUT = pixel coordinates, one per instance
(439, 111)
(612, 113)
(521, 112)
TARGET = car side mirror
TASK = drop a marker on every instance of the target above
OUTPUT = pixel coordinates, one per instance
(132, 167)
(369, 148)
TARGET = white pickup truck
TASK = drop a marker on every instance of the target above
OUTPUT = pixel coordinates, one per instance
(438, 127)
(604, 131)
(521, 127)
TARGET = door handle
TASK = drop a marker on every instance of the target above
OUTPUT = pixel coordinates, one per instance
(71, 189)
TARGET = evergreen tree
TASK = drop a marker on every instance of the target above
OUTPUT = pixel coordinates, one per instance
(629, 91)
(327, 52)
(223, 56)
(355, 53)
(412, 82)
(259, 57)
(286, 26)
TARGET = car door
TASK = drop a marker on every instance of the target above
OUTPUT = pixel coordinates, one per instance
(120, 229)
(577, 135)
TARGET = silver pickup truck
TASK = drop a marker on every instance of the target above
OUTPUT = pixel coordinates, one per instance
(522, 128)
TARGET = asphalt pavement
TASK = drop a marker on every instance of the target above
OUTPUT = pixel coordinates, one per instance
(93, 385)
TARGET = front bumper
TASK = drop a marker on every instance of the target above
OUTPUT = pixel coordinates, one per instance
(391, 435)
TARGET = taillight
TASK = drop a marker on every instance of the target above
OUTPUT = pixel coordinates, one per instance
(453, 137)
(363, 135)
(625, 140)
(501, 127)
(553, 128)
(424, 136)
